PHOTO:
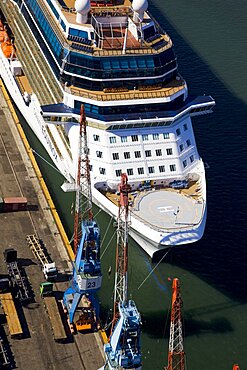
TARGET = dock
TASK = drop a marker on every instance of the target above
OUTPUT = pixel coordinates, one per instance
(37, 348)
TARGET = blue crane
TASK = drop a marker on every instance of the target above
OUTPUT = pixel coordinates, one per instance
(79, 299)
(123, 350)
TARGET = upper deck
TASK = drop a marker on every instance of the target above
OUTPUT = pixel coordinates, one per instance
(111, 29)
(142, 92)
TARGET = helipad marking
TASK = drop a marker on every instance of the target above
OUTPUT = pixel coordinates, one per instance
(166, 209)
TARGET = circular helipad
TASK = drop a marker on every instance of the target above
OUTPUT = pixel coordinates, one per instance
(168, 209)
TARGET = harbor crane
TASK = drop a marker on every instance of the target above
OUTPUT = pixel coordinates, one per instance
(123, 350)
(176, 355)
(79, 299)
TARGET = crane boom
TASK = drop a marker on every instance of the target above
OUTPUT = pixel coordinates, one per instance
(83, 182)
(176, 356)
(121, 273)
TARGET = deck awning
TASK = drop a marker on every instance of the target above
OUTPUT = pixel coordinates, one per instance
(59, 109)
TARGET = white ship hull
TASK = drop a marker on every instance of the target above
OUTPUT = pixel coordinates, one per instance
(150, 238)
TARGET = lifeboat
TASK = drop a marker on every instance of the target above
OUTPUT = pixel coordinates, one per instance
(3, 34)
(8, 49)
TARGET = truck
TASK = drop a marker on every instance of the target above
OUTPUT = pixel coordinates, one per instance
(9, 308)
(50, 302)
(48, 266)
(17, 275)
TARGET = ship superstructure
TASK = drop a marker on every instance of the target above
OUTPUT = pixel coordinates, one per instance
(113, 57)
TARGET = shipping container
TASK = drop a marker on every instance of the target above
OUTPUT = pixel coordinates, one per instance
(14, 204)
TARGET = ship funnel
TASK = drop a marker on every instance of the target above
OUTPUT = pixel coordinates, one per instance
(82, 8)
(139, 7)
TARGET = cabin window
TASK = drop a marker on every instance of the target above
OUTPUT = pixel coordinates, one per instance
(115, 156)
(178, 131)
(99, 154)
(148, 153)
(126, 155)
(188, 142)
(112, 139)
(96, 137)
(134, 137)
(185, 163)
(158, 152)
(166, 135)
(192, 158)
(130, 171)
(151, 169)
(138, 154)
(162, 168)
(169, 151)
(80, 33)
(181, 147)
(140, 170)
(185, 127)
(172, 167)
(145, 137)
(102, 171)
(156, 136)
(118, 173)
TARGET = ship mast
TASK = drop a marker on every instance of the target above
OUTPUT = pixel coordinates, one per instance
(83, 182)
(176, 355)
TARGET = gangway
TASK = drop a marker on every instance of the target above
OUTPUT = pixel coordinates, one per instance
(48, 266)
(17, 276)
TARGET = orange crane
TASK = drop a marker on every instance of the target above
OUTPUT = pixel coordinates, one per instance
(176, 355)
(236, 367)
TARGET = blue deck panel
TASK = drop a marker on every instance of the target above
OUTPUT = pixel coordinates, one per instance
(190, 103)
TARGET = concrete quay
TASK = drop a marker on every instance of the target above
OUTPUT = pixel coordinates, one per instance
(37, 349)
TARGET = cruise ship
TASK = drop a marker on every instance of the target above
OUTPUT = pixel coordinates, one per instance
(114, 58)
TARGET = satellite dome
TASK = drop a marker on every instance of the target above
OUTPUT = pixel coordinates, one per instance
(140, 6)
(82, 8)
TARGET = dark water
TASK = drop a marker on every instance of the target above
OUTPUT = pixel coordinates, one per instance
(210, 43)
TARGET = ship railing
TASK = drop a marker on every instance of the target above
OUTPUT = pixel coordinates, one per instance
(136, 94)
